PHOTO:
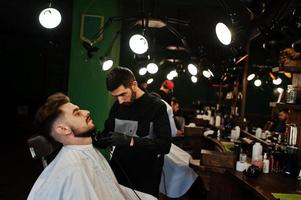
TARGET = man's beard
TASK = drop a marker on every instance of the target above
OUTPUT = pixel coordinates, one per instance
(133, 97)
(87, 133)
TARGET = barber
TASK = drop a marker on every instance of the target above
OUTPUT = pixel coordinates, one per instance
(138, 126)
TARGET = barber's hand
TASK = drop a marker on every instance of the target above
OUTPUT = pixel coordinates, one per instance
(119, 139)
(101, 141)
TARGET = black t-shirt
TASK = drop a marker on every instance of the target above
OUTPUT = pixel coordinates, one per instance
(146, 119)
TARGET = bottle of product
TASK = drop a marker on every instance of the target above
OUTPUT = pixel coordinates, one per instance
(217, 120)
(266, 164)
(258, 132)
(257, 151)
(291, 94)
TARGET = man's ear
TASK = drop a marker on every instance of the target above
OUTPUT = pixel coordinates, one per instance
(62, 129)
(134, 85)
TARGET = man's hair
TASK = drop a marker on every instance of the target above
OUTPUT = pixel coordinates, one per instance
(284, 110)
(119, 76)
(174, 100)
(48, 113)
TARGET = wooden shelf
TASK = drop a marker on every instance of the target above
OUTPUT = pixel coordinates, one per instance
(285, 106)
(287, 69)
(256, 138)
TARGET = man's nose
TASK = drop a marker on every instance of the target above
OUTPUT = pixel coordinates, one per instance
(120, 100)
(86, 112)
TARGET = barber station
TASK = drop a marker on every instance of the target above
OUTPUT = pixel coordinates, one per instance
(151, 100)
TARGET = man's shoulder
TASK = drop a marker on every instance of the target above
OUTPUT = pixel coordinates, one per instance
(155, 101)
(66, 158)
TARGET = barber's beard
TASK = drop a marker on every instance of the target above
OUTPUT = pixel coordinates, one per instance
(84, 134)
(133, 97)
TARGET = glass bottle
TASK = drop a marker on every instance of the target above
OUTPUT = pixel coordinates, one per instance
(291, 94)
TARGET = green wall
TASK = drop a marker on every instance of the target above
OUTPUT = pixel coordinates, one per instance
(86, 85)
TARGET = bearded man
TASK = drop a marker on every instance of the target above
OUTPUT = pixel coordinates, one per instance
(141, 133)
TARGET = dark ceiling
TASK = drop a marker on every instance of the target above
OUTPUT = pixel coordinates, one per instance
(193, 20)
(261, 20)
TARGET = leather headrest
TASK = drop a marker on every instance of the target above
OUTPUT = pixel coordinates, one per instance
(40, 146)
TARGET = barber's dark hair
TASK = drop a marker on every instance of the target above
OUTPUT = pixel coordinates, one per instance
(119, 76)
(48, 113)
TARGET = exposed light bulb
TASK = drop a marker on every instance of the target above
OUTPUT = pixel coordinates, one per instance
(210, 72)
(223, 33)
(174, 73)
(251, 77)
(152, 68)
(194, 79)
(50, 18)
(138, 44)
(257, 82)
(107, 65)
(149, 81)
(193, 70)
(206, 74)
(277, 81)
(142, 71)
(169, 76)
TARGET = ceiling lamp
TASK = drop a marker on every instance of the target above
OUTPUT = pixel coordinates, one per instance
(210, 72)
(152, 68)
(169, 77)
(206, 74)
(277, 81)
(138, 44)
(223, 33)
(288, 74)
(251, 77)
(193, 70)
(194, 79)
(142, 71)
(257, 82)
(106, 63)
(174, 73)
(50, 17)
(149, 81)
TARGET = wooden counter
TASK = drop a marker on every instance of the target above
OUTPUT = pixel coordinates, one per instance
(228, 184)
(260, 187)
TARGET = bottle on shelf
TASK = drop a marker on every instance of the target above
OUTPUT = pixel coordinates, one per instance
(266, 164)
(257, 155)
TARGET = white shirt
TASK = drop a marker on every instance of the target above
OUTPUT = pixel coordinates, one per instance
(80, 172)
(171, 119)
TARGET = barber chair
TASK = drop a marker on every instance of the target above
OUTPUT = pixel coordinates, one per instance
(40, 147)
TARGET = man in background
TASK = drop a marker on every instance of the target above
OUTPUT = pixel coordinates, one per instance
(166, 90)
(280, 124)
(179, 120)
